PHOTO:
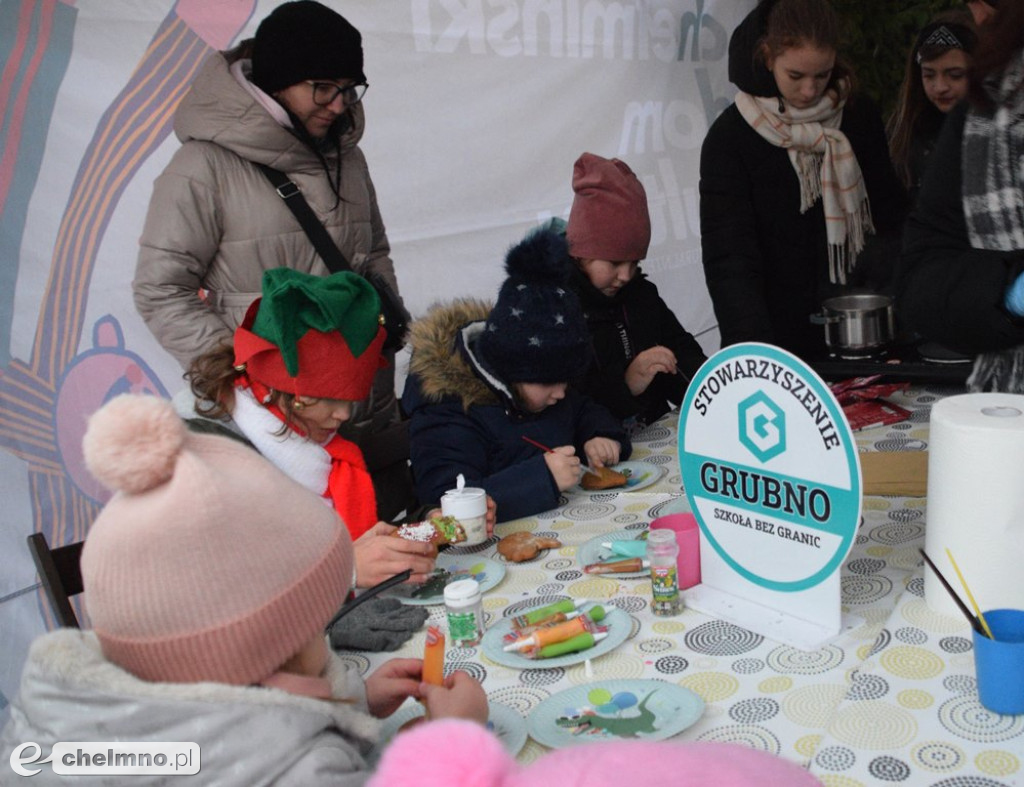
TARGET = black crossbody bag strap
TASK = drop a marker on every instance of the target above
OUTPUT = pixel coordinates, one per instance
(314, 228)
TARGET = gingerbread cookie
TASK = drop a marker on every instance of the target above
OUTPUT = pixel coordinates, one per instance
(606, 478)
(521, 545)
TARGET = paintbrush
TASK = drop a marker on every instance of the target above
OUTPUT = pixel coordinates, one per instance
(367, 594)
(543, 447)
(970, 596)
(949, 589)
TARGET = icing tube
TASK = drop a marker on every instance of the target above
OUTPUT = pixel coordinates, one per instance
(433, 657)
(539, 614)
(577, 643)
(627, 548)
(548, 635)
(525, 631)
(617, 566)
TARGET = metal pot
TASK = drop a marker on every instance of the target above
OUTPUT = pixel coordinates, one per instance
(857, 325)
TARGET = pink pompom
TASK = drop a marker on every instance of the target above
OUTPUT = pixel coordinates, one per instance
(444, 753)
(133, 442)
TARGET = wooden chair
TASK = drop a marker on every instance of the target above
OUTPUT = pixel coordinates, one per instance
(60, 574)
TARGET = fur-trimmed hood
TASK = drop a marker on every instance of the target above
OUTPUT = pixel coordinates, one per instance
(443, 357)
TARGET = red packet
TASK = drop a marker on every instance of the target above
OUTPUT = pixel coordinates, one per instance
(864, 388)
(875, 412)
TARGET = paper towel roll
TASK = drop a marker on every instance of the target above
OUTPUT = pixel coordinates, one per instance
(976, 500)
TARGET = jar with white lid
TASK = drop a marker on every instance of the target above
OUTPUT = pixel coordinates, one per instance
(465, 608)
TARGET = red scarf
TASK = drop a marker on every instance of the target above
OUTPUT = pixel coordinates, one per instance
(349, 486)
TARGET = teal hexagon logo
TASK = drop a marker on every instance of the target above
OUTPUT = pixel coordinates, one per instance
(762, 425)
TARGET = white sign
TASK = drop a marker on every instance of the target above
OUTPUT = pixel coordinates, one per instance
(770, 467)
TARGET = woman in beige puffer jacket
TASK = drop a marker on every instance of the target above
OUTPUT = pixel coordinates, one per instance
(215, 223)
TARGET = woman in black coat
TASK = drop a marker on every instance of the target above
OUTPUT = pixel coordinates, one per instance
(769, 260)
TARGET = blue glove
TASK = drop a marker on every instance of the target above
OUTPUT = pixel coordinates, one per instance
(1014, 300)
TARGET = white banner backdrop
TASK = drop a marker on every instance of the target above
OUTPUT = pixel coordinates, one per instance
(477, 111)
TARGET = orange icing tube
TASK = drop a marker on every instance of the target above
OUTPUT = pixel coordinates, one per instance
(570, 628)
(549, 635)
(433, 657)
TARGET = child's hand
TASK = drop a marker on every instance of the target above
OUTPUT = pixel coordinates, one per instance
(391, 684)
(602, 451)
(492, 515)
(646, 365)
(379, 555)
(564, 466)
(461, 697)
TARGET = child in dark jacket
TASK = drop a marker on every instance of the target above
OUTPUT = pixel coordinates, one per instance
(481, 379)
(644, 358)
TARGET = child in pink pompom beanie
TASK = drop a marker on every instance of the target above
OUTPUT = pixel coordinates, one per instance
(209, 578)
(475, 758)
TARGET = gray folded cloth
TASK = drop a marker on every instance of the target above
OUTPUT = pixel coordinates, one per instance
(379, 624)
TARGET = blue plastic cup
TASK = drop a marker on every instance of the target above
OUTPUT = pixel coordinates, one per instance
(1000, 662)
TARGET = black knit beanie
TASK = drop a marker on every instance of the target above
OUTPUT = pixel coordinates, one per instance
(536, 332)
(305, 40)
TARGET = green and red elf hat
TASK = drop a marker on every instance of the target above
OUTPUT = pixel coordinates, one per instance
(317, 336)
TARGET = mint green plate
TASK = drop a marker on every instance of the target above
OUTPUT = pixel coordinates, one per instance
(484, 570)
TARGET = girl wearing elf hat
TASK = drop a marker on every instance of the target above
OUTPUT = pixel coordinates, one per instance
(306, 351)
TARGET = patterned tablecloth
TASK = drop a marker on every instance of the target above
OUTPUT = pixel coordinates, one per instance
(891, 701)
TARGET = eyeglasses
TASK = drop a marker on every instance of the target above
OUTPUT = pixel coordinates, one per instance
(324, 93)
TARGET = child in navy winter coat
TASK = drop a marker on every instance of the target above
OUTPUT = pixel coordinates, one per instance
(481, 379)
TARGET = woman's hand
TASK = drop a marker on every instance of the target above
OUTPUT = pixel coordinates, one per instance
(564, 466)
(646, 365)
(380, 554)
(602, 451)
(391, 684)
(461, 697)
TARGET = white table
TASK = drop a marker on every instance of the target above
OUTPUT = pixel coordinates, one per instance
(892, 701)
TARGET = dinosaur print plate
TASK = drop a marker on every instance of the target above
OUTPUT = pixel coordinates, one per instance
(629, 709)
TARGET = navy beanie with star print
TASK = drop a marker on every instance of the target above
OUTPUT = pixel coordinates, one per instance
(536, 332)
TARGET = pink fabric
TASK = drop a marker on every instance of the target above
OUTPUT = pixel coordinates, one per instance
(451, 753)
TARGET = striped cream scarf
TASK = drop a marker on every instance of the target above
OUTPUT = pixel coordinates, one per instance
(826, 167)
